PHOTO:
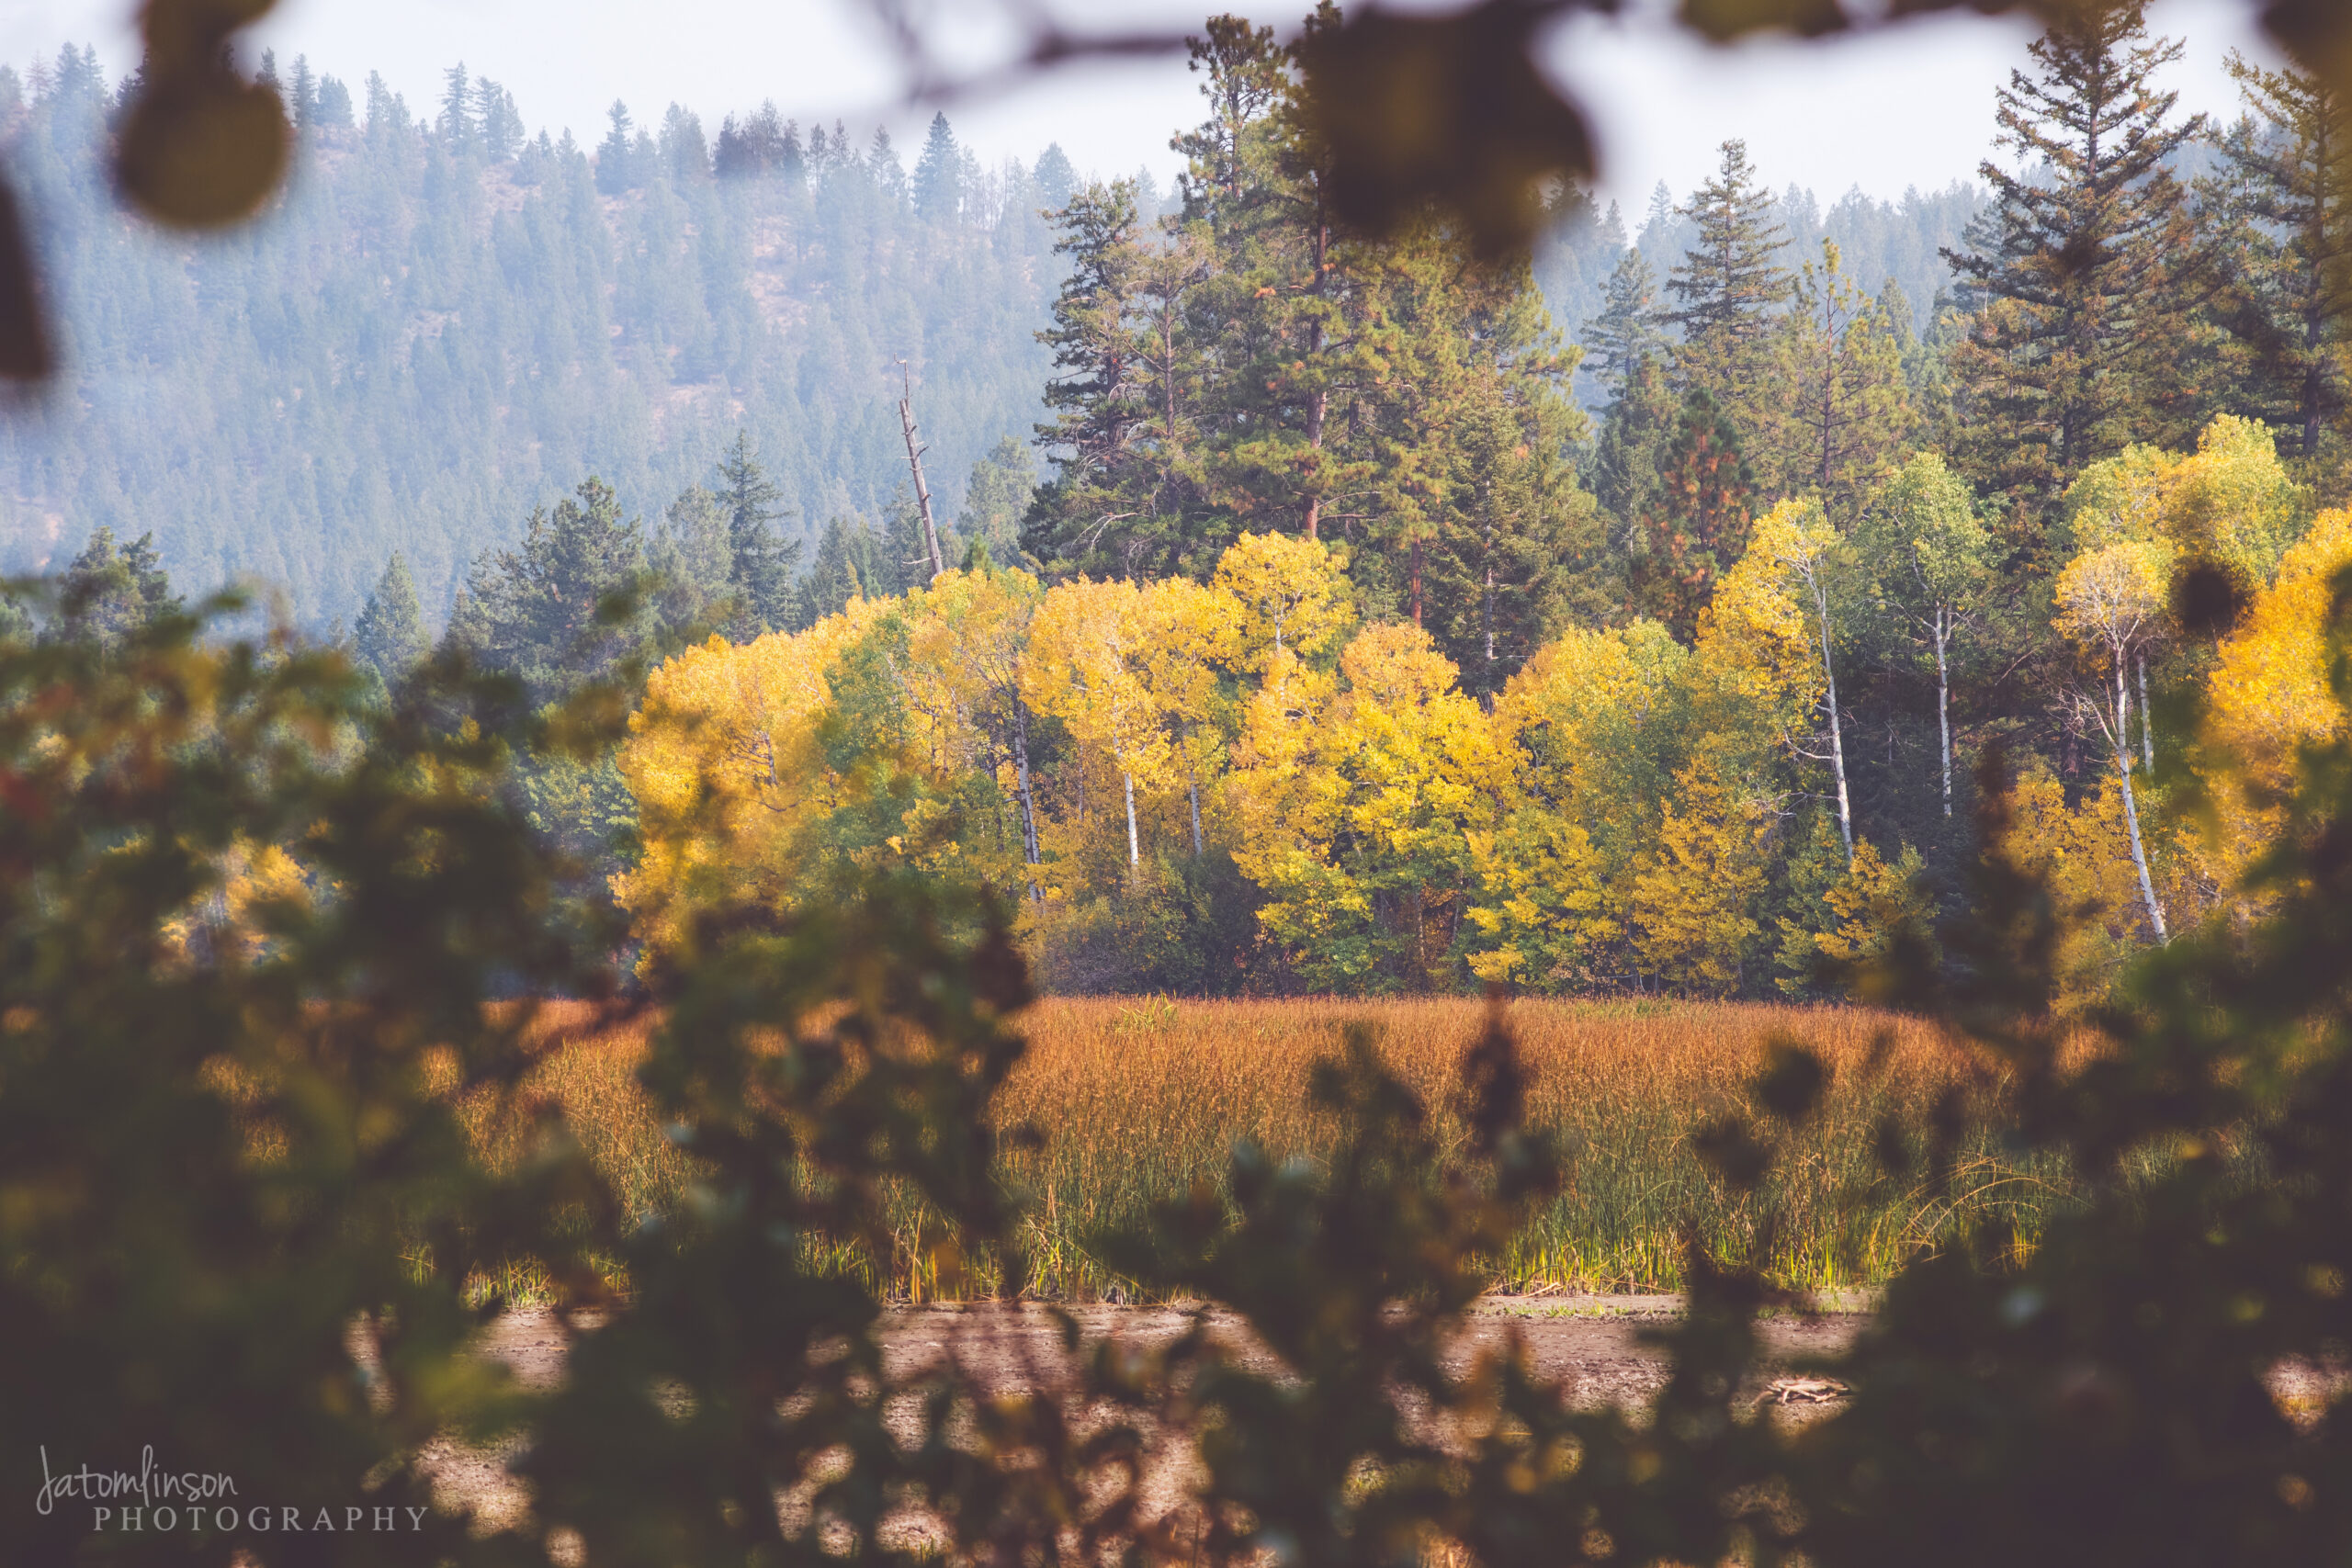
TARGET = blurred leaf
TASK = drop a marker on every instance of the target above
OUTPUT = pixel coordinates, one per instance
(24, 340)
(1446, 109)
(203, 147)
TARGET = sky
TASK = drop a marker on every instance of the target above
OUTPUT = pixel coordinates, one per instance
(1909, 106)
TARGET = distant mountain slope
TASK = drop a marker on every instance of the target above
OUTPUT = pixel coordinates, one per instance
(442, 325)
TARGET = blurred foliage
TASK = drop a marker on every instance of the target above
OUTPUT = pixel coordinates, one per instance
(254, 932)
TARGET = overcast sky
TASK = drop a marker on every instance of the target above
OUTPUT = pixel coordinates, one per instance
(1912, 107)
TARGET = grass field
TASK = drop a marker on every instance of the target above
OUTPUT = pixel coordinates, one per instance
(1137, 1098)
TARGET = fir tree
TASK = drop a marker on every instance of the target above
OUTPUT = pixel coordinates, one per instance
(1091, 513)
(616, 172)
(2083, 311)
(842, 570)
(539, 611)
(994, 499)
(762, 560)
(939, 174)
(389, 636)
(1727, 286)
(1626, 331)
(1635, 432)
(1696, 525)
(109, 593)
(2287, 244)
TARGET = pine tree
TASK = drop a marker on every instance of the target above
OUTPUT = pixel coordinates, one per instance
(762, 560)
(939, 174)
(2287, 243)
(1696, 525)
(2076, 271)
(842, 570)
(459, 130)
(994, 499)
(536, 611)
(302, 94)
(1727, 286)
(1842, 409)
(1093, 513)
(616, 172)
(692, 563)
(1626, 331)
(109, 593)
(1635, 431)
(389, 636)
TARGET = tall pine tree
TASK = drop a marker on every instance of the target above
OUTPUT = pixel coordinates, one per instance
(1727, 289)
(2287, 244)
(2076, 271)
(389, 635)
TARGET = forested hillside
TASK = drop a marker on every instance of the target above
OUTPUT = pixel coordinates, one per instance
(447, 321)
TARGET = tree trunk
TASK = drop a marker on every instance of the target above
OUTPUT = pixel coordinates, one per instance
(1134, 850)
(2130, 805)
(1836, 729)
(1943, 701)
(1194, 785)
(2147, 735)
(923, 490)
(1028, 800)
(1417, 581)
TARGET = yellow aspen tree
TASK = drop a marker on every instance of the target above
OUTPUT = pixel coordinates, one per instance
(723, 764)
(1585, 728)
(1288, 594)
(1694, 895)
(1359, 810)
(1086, 665)
(2110, 600)
(2269, 694)
(970, 630)
(1186, 628)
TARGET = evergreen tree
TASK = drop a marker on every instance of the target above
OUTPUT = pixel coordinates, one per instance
(1093, 513)
(1627, 330)
(457, 124)
(109, 593)
(537, 611)
(1842, 409)
(1635, 432)
(616, 172)
(1727, 286)
(762, 144)
(762, 560)
(302, 94)
(2076, 272)
(692, 563)
(843, 569)
(995, 499)
(1054, 177)
(2287, 244)
(1696, 525)
(684, 153)
(498, 120)
(389, 636)
(939, 174)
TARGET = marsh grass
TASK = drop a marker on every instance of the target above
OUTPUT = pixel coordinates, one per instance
(1137, 1099)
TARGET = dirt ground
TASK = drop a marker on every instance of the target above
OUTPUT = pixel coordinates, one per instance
(1593, 1345)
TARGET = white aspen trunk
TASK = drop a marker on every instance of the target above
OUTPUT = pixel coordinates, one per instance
(1943, 701)
(1134, 850)
(1836, 729)
(1195, 786)
(2130, 805)
(2147, 734)
(1028, 800)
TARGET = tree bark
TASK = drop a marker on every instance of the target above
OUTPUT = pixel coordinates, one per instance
(923, 490)
(2147, 735)
(1836, 729)
(1028, 800)
(1943, 700)
(1194, 785)
(1134, 850)
(2130, 805)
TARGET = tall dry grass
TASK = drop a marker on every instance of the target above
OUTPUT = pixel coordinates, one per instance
(1137, 1099)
